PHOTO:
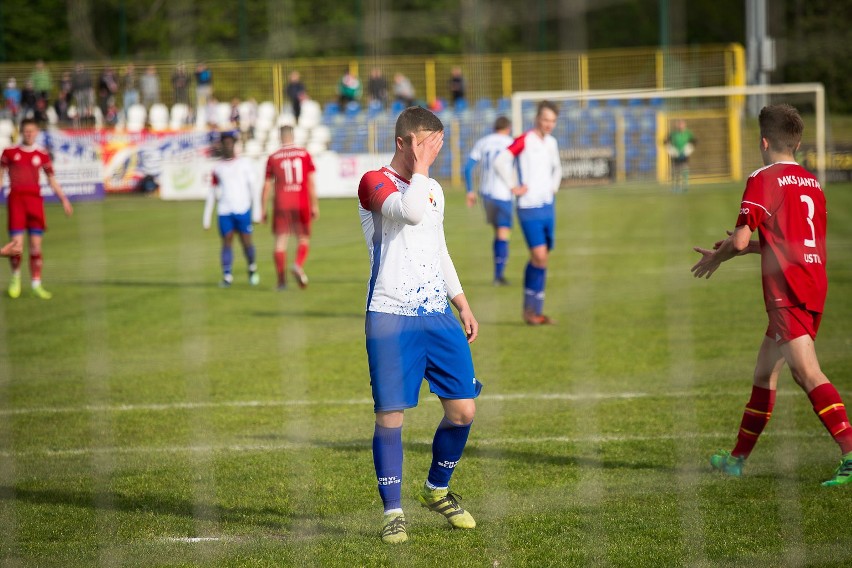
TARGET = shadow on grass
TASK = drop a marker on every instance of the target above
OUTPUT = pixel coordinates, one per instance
(492, 453)
(298, 523)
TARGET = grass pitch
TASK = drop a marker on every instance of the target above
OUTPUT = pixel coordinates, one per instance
(149, 418)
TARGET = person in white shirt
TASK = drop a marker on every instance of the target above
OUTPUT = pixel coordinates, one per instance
(539, 173)
(410, 328)
(496, 194)
(234, 193)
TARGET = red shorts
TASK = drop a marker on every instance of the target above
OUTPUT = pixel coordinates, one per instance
(26, 212)
(786, 324)
(292, 221)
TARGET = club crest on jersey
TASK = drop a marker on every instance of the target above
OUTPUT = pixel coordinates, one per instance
(36, 161)
(432, 200)
(379, 186)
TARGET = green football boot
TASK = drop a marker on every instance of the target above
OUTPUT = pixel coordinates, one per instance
(41, 293)
(843, 475)
(445, 502)
(14, 289)
(726, 463)
(394, 530)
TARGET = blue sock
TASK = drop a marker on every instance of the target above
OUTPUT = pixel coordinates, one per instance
(387, 459)
(534, 279)
(227, 259)
(501, 255)
(447, 448)
(249, 252)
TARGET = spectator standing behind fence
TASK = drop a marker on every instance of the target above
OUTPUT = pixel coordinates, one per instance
(12, 98)
(107, 88)
(203, 84)
(295, 91)
(149, 84)
(130, 87)
(403, 90)
(180, 84)
(29, 101)
(349, 89)
(456, 86)
(41, 80)
(84, 95)
(377, 87)
(64, 98)
(680, 143)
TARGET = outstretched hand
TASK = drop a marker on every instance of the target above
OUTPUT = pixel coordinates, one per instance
(12, 248)
(708, 264)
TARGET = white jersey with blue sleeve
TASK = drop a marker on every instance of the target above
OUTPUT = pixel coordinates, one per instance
(485, 152)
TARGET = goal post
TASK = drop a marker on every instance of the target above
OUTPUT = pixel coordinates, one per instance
(623, 131)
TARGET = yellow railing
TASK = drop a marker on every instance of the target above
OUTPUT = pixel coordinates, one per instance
(486, 76)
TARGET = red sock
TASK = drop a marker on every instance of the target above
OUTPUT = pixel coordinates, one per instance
(280, 262)
(15, 261)
(755, 418)
(830, 409)
(302, 254)
(35, 266)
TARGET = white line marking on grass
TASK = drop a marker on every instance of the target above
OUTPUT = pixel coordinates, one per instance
(293, 446)
(192, 539)
(159, 407)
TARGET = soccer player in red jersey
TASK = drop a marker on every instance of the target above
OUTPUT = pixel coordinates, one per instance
(291, 170)
(786, 203)
(26, 206)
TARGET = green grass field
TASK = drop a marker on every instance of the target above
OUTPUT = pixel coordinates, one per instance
(149, 418)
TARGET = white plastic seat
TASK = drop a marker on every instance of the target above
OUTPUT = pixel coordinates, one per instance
(158, 116)
(136, 116)
(179, 116)
(311, 114)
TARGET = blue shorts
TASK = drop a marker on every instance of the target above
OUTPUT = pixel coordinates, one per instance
(497, 212)
(403, 350)
(239, 222)
(538, 225)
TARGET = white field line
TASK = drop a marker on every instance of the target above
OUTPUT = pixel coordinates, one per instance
(292, 446)
(350, 402)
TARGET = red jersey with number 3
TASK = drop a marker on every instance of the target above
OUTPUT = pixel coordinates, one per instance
(290, 167)
(25, 164)
(786, 203)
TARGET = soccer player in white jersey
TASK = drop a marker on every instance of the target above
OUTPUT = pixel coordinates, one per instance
(539, 171)
(235, 196)
(410, 328)
(496, 194)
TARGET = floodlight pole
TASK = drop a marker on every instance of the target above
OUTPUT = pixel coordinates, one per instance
(760, 52)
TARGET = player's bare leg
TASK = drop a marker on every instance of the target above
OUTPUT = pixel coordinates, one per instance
(447, 447)
(758, 410)
(387, 459)
(15, 258)
(800, 355)
(539, 257)
(298, 270)
(248, 250)
(35, 267)
(280, 255)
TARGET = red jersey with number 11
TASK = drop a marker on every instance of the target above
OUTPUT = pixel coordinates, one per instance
(787, 204)
(290, 168)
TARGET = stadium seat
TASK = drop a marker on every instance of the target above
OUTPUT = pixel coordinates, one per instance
(286, 118)
(320, 134)
(223, 116)
(331, 109)
(253, 148)
(504, 105)
(397, 107)
(179, 116)
(315, 148)
(311, 114)
(158, 116)
(7, 128)
(300, 136)
(461, 105)
(136, 115)
(266, 110)
(353, 109)
(248, 115)
(374, 108)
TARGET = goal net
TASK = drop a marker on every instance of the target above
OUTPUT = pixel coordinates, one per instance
(620, 135)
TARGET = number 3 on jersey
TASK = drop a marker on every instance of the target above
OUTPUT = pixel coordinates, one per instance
(806, 199)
